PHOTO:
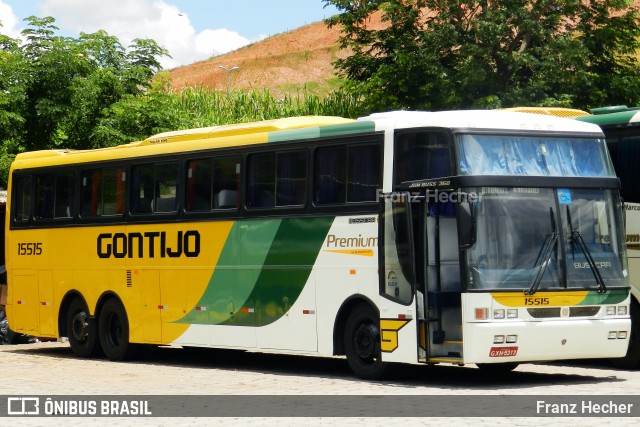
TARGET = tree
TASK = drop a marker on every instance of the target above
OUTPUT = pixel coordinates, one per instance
(435, 54)
(61, 86)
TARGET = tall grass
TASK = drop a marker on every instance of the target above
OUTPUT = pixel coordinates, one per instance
(199, 107)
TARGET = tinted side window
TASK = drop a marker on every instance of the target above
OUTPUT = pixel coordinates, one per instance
(154, 188)
(213, 184)
(22, 187)
(102, 192)
(45, 196)
(364, 166)
(421, 155)
(262, 178)
(347, 174)
(64, 204)
(291, 184)
(277, 179)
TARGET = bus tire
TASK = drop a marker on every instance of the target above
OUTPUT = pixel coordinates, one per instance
(632, 359)
(113, 328)
(497, 368)
(81, 330)
(362, 343)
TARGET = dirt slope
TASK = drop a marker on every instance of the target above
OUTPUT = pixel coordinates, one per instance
(282, 63)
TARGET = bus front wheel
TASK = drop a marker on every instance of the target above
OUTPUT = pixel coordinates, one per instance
(81, 330)
(362, 343)
(113, 328)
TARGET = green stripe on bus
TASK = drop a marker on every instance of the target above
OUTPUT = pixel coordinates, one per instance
(609, 297)
(609, 119)
(286, 270)
(322, 131)
(236, 273)
(262, 270)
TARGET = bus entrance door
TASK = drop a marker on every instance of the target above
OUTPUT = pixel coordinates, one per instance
(441, 330)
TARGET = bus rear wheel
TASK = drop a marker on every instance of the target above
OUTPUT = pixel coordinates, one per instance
(362, 343)
(81, 330)
(113, 328)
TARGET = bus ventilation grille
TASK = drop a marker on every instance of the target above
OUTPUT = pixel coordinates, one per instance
(547, 312)
(129, 279)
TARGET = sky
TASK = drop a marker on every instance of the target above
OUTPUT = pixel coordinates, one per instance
(192, 30)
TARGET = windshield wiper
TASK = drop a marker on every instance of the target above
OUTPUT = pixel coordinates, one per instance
(576, 238)
(545, 254)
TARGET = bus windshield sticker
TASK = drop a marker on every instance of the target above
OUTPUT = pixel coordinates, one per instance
(564, 196)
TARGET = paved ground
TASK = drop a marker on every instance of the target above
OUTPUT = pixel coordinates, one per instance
(51, 369)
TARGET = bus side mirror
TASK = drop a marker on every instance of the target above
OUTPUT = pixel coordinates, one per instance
(466, 225)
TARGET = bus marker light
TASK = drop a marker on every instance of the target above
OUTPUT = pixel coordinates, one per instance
(613, 335)
(20, 302)
(622, 310)
(611, 310)
(308, 312)
(45, 303)
(201, 308)
(163, 307)
(622, 335)
(498, 313)
(247, 310)
(512, 313)
(352, 272)
(498, 339)
(482, 313)
(512, 339)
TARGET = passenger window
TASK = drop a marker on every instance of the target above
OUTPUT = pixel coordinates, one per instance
(45, 196)
(277, 179)
(22, 187)
(102, 192)
(64, 204)
(365, 164)
(291, 184)
(213, 184)
(347, 174)
(154, 188)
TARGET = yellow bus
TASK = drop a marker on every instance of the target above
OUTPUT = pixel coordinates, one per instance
(412, 237)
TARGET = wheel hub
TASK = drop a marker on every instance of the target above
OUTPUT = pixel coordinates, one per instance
(79, 326)
(366, 341)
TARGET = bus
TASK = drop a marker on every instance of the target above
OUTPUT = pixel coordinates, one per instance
(462, 237)
(621, 126)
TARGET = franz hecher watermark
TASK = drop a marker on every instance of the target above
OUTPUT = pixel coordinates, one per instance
(435, 196)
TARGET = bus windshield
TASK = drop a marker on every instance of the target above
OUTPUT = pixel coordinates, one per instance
(535, 239)
(533, 156)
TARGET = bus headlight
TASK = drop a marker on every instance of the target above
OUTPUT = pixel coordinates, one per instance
(622, 335)
(511, 339)
(512, 313)
(498, 313)
(498, 339)
(622, 310)
(611, 310)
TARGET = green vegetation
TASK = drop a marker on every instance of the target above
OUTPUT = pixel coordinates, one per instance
(489, 54)
(91, 92)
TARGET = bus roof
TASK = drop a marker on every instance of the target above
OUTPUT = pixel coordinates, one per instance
(550, 111)
(482, 120)
(618, 116)
(246, 128)
(268, 131)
